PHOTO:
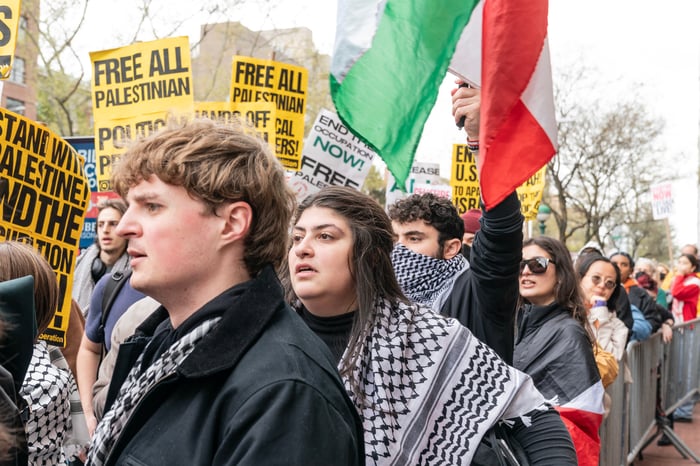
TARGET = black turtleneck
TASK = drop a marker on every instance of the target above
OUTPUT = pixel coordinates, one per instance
(334, 330)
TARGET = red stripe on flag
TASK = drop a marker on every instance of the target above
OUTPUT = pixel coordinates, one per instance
(513, 37)
(516, 153)
(583, 427)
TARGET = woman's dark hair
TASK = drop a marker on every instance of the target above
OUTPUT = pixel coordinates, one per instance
(586, 263)
(18, 259)
(567, 291)
(693, 260)
(370, 261)
(626, 255)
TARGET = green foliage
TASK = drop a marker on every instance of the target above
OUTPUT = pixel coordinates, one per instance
(375, 185)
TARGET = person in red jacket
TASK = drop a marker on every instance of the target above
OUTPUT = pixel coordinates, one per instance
(685, 288)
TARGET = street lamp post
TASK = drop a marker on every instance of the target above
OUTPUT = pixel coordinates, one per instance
(543, 213)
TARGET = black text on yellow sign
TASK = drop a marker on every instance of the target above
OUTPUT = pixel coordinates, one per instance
(530, 194)
(44, 195)
(9, 23)
(131, 82)
(464, 179)
(256, 80)
(262, 115)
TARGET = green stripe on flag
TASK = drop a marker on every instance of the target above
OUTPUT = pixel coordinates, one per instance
(389, 92)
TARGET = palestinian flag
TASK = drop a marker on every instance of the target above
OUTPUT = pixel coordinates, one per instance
(582, 417)
(391, 56)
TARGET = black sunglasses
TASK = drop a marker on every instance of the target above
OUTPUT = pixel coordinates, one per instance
(609, 284)
(537, 265)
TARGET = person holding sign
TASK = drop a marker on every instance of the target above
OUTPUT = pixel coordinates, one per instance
(108, 254)
(481, 293)
(223, 372)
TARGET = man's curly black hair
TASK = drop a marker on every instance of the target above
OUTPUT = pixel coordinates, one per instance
(433, 210)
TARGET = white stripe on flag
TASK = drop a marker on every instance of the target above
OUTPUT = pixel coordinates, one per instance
(589, 400)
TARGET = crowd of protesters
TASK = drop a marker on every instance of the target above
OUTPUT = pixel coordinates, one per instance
(409, 335)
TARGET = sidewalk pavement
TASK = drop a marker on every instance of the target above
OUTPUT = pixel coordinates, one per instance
(689, 433)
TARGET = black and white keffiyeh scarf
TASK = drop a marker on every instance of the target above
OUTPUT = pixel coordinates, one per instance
(431, 389)
(136, 385)
(47, 390)
(423, 279)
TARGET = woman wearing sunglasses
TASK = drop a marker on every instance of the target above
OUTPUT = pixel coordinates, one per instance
(554, 344)
(426, 389)
(600, 283)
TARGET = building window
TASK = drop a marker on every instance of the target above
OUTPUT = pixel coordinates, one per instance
(22, 28)
(17, 74)
(15, 105)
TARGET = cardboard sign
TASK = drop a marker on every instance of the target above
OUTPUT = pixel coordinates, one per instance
(9, 25)
(662, 200)
(464, 179)
(421, 173)
(285, 85)
(332, 156)
(43, 198)
(259, 114)
(530, 194)
(135, 90)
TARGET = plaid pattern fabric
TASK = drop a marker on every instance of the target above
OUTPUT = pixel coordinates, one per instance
(423, 278)
(136, 385)
(431, 390)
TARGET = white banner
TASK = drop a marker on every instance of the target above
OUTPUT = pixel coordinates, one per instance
(662, 200)
(332, 155)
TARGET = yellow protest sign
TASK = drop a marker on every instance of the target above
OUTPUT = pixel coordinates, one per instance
(134, 89)
(9, 24)
(464, 179)
(260, 114)
(465, 184)
(285, 85)
(44, 195)
(530, 194)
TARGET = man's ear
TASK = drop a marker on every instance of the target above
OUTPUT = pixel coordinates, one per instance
(451, 248)
(238, 217)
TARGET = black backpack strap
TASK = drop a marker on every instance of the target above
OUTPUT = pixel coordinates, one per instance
(111, 291)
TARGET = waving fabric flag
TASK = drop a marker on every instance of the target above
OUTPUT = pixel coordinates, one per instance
(389, 59)
(518, 131)
(583, 416)
(391, 56)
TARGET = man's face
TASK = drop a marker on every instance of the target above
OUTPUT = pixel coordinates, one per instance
(623, 264)
(468, 238)
(107, 239)
(173, 240)
(419, 237)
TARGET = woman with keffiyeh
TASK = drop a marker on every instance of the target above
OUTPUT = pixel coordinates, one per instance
(426, 389)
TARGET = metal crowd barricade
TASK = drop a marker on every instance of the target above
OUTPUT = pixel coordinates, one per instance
(614, 430)
(664, 376)
(645, 362)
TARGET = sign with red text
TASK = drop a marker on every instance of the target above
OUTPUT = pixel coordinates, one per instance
(661, 200)
(421, 173)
